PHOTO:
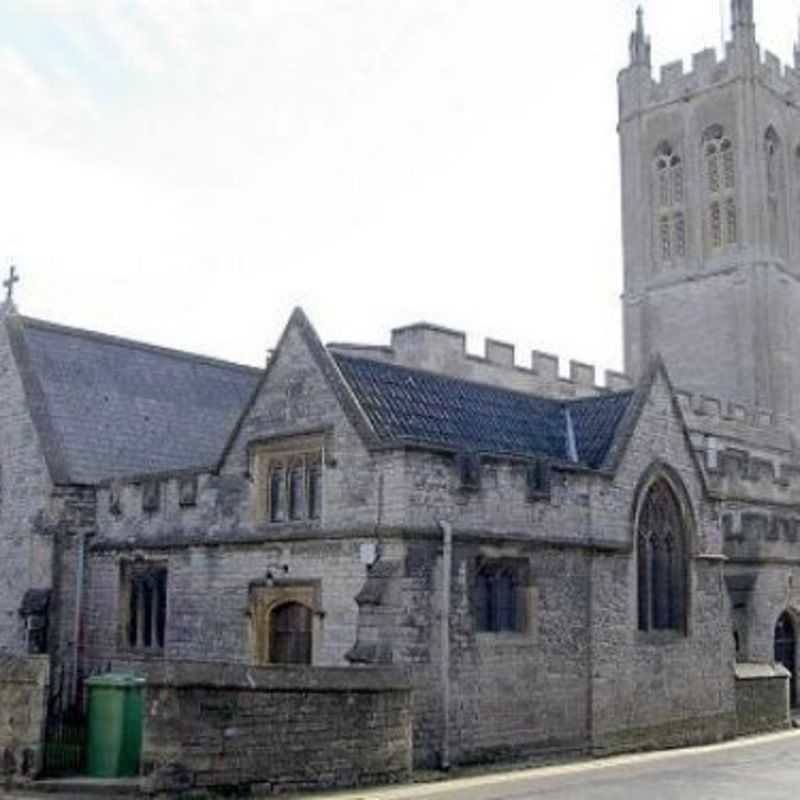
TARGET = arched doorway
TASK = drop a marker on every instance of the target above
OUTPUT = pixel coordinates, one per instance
(786, 651)
(290, 634)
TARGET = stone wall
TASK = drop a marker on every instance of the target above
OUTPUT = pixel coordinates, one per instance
(209, 597)
(24, 684)
(26, 546)
(762, 698)
(275, 730)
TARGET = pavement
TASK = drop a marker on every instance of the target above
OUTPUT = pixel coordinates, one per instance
(763, 768)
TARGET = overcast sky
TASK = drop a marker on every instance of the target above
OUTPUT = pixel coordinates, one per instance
(187, 171)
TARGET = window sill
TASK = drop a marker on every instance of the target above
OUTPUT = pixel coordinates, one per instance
(290, 525)
(142, 653)
(501, 637)
(660, 638)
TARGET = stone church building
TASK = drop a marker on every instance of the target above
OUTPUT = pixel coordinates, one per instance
(553, 565)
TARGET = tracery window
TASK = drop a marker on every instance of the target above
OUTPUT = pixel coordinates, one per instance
(719, 160)
(773, 155)
(499, 596)
(661, 560)
(670, 214)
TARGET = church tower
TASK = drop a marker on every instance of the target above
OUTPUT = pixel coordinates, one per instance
(711, 218)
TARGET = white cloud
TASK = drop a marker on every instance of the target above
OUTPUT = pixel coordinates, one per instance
(187, 170)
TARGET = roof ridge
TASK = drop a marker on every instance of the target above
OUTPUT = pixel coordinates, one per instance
(561, 401)
(135, 344)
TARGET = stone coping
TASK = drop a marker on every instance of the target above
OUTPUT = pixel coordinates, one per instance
(278, 678)
(751, 671)
(24, 669)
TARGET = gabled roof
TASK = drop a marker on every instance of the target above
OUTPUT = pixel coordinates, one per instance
(106, 407)
(419, 408)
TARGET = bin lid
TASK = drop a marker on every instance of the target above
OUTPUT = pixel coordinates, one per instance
(116, 680)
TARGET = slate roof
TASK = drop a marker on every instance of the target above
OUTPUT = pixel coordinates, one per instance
(414, 407)
(107, 407)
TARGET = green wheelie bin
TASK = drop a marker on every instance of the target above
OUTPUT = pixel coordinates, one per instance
(115, 709)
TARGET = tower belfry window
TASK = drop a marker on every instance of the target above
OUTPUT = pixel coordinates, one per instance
(773, 155)
(670, 214)
(719, 161)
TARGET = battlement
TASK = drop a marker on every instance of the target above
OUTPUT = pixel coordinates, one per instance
(438, 349)
(712, 410)
(675, 83)
(751, 427)
(736, 474)
(747, 454)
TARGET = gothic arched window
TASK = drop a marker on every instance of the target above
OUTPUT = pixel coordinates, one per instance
(661, 543)
(670, 215)
(719, 161)
(773, 156)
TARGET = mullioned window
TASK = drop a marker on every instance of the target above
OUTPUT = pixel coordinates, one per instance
(670, 202)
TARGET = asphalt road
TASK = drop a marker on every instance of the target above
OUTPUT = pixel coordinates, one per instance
(767, 768)
(760, 769)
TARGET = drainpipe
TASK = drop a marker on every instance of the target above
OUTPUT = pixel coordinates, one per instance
(79, 571)
(447, 579)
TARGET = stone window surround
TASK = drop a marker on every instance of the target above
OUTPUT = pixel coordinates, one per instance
(720, 181)
(654, 474)
(526, 597)
(670, 204)
(266, 595)
(310, 446)
(128, 569)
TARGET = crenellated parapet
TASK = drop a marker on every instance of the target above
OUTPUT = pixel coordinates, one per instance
(674, 83)
(702, 411)
(641, 90)
(754, 534)
(437, 349)
(748, 454)
(738, 474)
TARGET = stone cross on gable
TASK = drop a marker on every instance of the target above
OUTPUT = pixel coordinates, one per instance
(9, 283)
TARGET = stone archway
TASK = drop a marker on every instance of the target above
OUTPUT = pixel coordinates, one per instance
(786, 651)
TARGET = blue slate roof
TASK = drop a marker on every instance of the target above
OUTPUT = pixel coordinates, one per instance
(414, 407)
(107, 407)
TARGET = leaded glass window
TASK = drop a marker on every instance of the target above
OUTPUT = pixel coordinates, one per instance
(671, 219)
(773, 155)
(661, 560)
(297, 491)
(277, 493)
(731, 233)
(720, 170)
(146, 588)
(289, 474)
(716, 225)
(499, 596)
(680, 235)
